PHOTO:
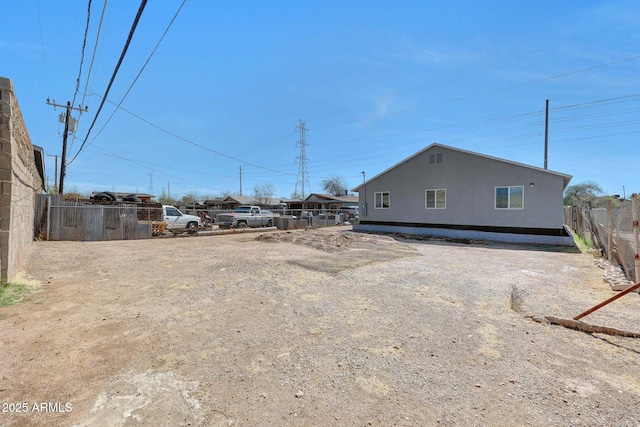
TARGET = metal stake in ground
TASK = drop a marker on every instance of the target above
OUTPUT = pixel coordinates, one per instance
(602, 304)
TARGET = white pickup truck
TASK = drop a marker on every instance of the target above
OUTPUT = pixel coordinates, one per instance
(176, 219)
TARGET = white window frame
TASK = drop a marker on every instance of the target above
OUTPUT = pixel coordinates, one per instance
(375, 200)
(435, 198)
(509, 190)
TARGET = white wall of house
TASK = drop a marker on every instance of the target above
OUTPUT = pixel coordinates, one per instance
(470, 182)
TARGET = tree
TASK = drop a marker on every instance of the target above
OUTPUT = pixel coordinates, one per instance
(190, 199)
(74, 194)
(262, 193)
(166, 200)
(585, 194)
(334, 185)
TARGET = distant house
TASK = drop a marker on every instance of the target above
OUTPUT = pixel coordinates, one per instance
(448, 192)
(214, 203)
(292, 204)
(329, 203)
(232, 202)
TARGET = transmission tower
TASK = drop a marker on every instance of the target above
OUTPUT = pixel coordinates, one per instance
(303, 174)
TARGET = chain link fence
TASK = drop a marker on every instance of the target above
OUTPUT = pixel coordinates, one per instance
(613, 229)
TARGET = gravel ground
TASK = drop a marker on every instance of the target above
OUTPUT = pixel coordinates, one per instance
(314, 328)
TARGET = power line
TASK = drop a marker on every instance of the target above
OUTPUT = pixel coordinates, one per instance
(195, 144)
(486, 123)
(489, 92)
(113, 76)
(139, 73)
(84, 44)
(141, 164)
(93, 54)
(473, 71)
(44, 62)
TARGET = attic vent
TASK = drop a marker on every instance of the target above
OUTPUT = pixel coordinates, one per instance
(435, 158)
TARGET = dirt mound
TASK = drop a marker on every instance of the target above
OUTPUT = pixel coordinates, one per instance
(328, 241)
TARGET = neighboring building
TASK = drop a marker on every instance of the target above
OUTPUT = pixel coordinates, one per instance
(22, 177)
(214, 204)
(448, 192)
(233, 202)
(329, 203)
(294, 205)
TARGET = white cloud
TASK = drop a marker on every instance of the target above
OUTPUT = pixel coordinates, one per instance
(407, 49)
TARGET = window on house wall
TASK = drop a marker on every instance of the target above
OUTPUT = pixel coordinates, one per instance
(510, 197)
(382, 200)
(435, 158)
(436, 199)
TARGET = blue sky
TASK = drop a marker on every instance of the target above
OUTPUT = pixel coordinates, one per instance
(374, 82)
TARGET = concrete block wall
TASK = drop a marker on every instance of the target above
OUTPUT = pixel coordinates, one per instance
(19, 182)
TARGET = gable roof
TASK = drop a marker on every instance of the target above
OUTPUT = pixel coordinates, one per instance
(566, 178)
(331, 198)
(250, 200)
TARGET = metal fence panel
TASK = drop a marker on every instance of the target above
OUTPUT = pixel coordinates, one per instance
(76, 221)
(610, 230)
(56, 219)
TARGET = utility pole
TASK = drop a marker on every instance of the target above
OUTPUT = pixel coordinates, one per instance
(241, 180)
(55, 177)
(302, 158)
(546, 134)
(70, 125)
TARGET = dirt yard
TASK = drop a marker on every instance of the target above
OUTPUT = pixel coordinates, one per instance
(314, 328)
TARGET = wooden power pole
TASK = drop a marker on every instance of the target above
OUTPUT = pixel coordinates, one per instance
(65, 135)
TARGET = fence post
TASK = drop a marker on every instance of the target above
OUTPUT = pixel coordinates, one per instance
(636, 245)
(49, 200)
(609, 232)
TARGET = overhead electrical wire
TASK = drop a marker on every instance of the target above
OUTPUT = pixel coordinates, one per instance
(600, 101)
(462, 129)
(195, 144)
(140, 72)
(485, 123)
(142, 164)
(368, 118)
(374, 117)
(474, 71)
(476, 95)
(93, 54)
(84, 44)
(118, 106)
(113, 76)
(44, 62)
